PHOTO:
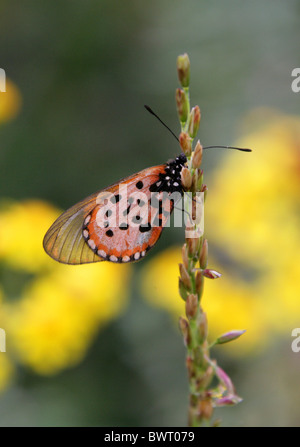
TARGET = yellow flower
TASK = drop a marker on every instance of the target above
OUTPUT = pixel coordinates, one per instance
(280, 290)
(10, 102)
(59, 314)
(61, 307)
(229, 302)
(253, 213)
(252, 209)
(22, 228)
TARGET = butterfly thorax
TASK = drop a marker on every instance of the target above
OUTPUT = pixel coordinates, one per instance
(170, 180)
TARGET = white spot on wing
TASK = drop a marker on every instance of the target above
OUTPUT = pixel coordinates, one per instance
(101, 253)
(92, 244)
(88, 218)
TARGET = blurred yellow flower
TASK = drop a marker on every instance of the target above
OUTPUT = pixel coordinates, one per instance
(280, 290)
(61, 308)
(252, 209)
(59, 314)
(253, 213)
(10, 102)
(229, 302)
(22, 228)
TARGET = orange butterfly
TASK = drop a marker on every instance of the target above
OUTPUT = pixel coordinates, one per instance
(119, 223)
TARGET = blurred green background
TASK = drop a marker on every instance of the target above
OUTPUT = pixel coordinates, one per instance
(84, 70)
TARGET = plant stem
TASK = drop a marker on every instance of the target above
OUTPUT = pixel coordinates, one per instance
(201, 369)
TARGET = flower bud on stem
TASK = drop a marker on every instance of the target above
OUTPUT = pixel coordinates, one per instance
(194, 328)
(194, 121)
(185, 143)
(183, 69)
(182, 105)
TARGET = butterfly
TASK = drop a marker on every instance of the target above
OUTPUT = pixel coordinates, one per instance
(120, 223)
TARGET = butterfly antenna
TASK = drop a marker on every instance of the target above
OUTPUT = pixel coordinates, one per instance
(164, 124)
(229, 147)
(175, 136)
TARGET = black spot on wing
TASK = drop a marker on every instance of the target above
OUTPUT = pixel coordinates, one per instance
(145, 228)
(139, 184)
